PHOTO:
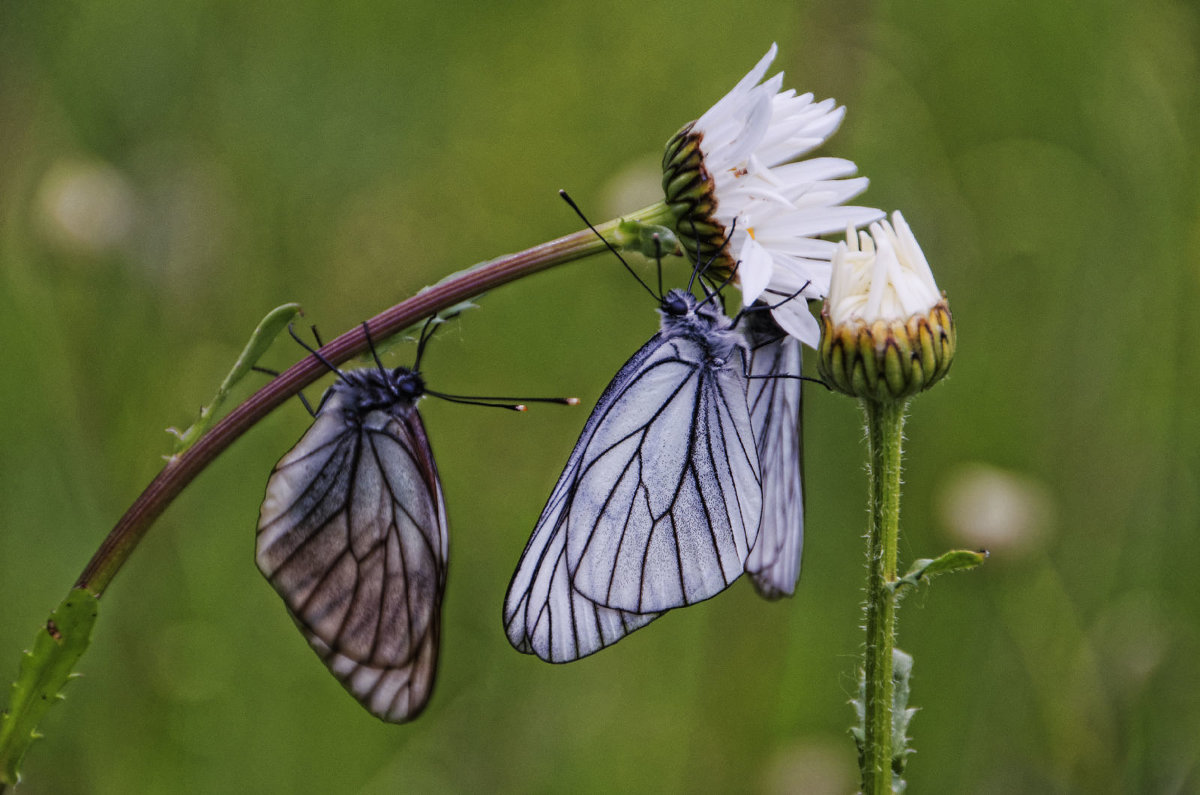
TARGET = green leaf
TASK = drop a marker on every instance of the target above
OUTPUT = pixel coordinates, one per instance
(902, 715)
(927, 568)
(43, 673)
(268, 329)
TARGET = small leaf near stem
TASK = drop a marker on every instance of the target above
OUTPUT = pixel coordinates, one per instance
(43, 673)
(902, 715)
(266, 332)
(925, 569)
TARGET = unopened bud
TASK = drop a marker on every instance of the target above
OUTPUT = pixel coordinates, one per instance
(886, 330)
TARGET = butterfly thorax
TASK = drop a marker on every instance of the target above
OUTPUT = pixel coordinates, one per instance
(371, 389)
(683, 315)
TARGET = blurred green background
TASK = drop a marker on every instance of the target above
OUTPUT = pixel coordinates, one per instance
(171, 171)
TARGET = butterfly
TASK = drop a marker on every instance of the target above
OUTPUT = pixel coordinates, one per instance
(660, 501)
(774, 395)
(352, 534)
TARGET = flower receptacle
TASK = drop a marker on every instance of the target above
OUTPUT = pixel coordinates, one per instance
(887, 360)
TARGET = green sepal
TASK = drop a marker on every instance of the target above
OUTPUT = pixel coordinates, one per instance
(268, 329)
(928, 568)
(43, 673)
(650, 240)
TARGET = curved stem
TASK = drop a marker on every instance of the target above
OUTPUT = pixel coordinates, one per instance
(178, 473)
(885, 425)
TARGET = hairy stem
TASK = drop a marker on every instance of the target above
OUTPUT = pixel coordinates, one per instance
(178, 473)
(885, 424)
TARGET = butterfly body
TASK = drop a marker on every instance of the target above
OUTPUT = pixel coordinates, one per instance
(352, 534)
(660, 501)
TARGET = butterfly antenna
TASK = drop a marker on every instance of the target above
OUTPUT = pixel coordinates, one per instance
(510, 403)
(275, 374)
(312, 350)
(610, 246)
(371, 345)
(658, 255)
(696, 268)
(717, 288)
(791, 297)
(760, 306)
(427, 332)
(788, 376)
(716, 291)
(701, 270)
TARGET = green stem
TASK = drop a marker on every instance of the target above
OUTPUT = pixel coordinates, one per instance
(885, 424)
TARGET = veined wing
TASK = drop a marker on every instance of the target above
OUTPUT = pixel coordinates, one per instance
(774, 562)
(352, 535)
(395, 694)
(543, 613)
(666, 504)
(700, 453)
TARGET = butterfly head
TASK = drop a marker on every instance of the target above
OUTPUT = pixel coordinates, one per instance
(369, 389)
(680, 309)
(678, 304)
(408, 384)
(684, 315)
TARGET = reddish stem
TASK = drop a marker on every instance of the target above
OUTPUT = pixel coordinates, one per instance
(179, 472)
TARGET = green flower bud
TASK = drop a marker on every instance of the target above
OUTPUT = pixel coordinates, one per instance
(887, 360)
(886, 330)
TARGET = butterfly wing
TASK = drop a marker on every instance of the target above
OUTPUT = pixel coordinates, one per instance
(774, 562)
(657, 507)
(352, 535)
(396, 694)
(543, 613)
(546, 616)
(666, 504)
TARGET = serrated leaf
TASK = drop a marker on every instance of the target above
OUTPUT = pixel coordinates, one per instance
(928, 568)
(43, 672)
(902, 714)
(266, 332)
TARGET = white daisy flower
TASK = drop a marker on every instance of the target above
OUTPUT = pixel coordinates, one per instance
(741, 196)
(887, 331)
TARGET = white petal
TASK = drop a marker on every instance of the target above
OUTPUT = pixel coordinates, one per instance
(754, 270)
(887, 279)
(739, 91)
(777, 205)
(794, 318)
(737, 150)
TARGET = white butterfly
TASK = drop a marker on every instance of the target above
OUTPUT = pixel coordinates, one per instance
(774, 396)
(660, 501)
(352, 534)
